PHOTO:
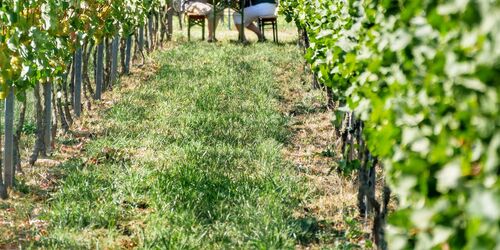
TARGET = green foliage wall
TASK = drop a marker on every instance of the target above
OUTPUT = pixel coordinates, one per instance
(38, 38)
(425, 78)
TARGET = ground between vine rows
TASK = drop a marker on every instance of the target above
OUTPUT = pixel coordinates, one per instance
(206, 146)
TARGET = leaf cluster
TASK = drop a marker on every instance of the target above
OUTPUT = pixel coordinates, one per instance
(38, 38)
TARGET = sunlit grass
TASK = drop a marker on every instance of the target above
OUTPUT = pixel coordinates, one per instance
(189, 159)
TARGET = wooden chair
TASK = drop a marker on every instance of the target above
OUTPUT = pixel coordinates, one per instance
(196, 20)
(269, 21)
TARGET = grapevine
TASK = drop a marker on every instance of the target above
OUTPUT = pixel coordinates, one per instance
(49, 43)
(422, 77)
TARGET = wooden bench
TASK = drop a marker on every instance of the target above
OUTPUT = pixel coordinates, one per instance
(196, 20)
(269, 21)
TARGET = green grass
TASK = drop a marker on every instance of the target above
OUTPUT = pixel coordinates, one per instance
(190, 159)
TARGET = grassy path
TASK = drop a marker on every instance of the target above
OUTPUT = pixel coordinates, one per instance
(189, 159)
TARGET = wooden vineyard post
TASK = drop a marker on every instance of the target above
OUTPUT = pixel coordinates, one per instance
(3, 190)
(150, 33)
(77, 105)
(242, 26)
(128, 54)
(114, 59)
(170, 15)
(8, 152)
(99, 71)
(47, 117)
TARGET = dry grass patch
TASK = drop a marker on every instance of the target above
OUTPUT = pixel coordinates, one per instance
(332, 205)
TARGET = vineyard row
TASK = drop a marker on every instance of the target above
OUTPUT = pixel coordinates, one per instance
(417, 84)
(67, 52)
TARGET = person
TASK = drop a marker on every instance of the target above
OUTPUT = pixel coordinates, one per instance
(202, 7)
(252, 11)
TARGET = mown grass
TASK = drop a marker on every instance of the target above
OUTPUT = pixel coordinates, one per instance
(190, 159)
